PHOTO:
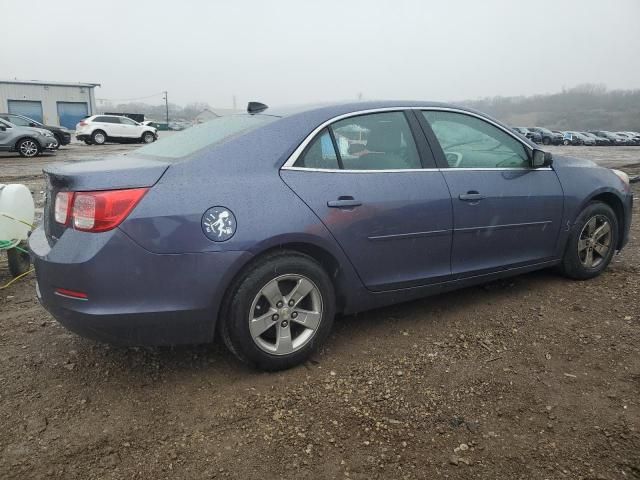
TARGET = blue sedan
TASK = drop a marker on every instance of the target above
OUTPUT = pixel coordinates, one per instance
(261, 227)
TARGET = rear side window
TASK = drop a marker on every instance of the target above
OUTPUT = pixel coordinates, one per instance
(206, 134)
(320, 153)
(107, 119)
(377, 141)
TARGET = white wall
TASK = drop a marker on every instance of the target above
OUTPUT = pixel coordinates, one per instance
(48, 95)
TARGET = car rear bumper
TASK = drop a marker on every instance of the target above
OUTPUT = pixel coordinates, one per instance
(83, 137)
(134, 297)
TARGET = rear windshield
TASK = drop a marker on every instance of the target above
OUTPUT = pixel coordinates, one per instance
(186, 142)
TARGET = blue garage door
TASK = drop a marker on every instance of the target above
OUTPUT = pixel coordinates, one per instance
(70, 113)
(28, 108)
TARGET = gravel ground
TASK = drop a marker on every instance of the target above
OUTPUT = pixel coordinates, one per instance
(535, 377)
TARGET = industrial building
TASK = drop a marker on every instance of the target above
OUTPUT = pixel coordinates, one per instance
(51, 103)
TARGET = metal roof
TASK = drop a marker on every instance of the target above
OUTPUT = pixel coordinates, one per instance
(53, 84)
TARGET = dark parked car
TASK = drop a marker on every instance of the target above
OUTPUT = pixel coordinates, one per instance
(548, 137)
(599, 140)
(261, 227)
(614, 138)
(631, 138)
(533, 136)
(62, 135)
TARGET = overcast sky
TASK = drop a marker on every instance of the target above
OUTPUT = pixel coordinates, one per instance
(295, 51)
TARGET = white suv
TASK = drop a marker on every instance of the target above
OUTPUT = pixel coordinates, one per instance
(99, 129)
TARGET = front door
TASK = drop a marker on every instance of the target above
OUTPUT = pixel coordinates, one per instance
(506, 213)
(363, 178)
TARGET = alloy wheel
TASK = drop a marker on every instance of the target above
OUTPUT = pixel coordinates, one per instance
(594, 242)
(29, 148)
(99, 138)
(285, 314)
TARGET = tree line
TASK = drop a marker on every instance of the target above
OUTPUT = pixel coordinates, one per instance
(584, 107)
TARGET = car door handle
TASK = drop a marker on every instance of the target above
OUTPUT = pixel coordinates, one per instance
(471, 197)
(344, 202)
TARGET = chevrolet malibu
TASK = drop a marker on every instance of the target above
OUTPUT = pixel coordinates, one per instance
(261, 227)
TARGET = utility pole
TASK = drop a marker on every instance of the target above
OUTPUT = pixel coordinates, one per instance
(166, 104)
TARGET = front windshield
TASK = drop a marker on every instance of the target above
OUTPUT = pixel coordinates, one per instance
(186, 142)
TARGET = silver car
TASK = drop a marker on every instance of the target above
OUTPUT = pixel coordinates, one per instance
(27, 141)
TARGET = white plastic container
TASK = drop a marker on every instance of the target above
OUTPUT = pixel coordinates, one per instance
(16, 202)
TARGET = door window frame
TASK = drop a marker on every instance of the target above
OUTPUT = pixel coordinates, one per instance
(425, 153)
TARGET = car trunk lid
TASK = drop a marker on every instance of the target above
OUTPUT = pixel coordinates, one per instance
(115, 173)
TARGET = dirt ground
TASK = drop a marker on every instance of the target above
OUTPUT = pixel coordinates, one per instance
(535, 377)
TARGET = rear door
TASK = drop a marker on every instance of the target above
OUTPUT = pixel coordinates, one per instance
(506, 213)
(364, 178)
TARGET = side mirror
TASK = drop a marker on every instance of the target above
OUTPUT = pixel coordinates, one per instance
(541, 159)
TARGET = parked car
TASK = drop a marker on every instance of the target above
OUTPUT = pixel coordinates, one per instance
(548, 137)
(533, 136)
(98, 129)
(61, 134)
(630, 138)
(599, 140)
(27, 141)
(634, 135)
(260, 227)
(577, 138)
(613, 137)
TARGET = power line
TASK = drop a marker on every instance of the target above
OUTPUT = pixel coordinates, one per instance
(129, 99)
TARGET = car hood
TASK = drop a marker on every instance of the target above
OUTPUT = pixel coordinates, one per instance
(572, 162)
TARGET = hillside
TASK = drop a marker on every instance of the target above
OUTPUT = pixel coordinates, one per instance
(584, 107)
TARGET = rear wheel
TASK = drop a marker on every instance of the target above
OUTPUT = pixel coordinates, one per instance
(592, 242)
(546, 141)
(279, 312)
(566, 142)
(28, 147)
(99, 137)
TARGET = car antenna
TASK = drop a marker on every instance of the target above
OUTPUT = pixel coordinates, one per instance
(256, 107)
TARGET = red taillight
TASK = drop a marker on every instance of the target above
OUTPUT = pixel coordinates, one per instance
(99, 211)
(83, 123)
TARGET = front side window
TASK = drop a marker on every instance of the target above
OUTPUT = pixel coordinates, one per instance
(470, 142)
(377, 141)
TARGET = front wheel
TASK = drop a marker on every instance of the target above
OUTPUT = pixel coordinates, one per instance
(279, 312)
(57, 143)
(148, 137)
(566, 142)
(592, 242)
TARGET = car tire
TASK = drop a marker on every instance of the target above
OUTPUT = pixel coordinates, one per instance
(585, 256)
(28, 147)
(566, 142)
(275, 348)
(98, 137)
(546, 141)
(58, 142)
(148, 137)
(19, 262)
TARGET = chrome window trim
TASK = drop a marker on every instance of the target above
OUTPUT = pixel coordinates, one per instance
(289, 164)
(402, 170)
